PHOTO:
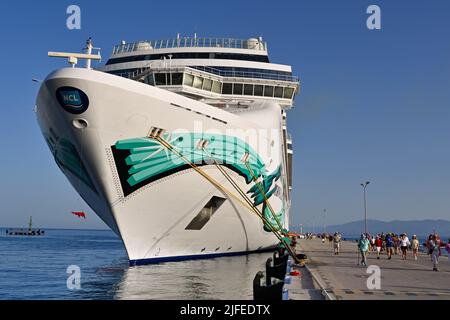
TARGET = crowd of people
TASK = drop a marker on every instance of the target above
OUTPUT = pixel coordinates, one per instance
(392, 244)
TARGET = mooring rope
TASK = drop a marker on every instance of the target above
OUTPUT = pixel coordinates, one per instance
(263, 193)
(248, 204)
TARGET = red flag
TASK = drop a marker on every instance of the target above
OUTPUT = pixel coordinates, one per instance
(79, 214)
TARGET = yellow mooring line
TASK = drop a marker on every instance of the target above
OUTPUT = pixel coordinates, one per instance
(241, 192)
(253, 207)
(156, 134)
(266, 200)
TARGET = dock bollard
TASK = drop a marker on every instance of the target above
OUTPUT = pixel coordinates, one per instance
(258, 292)
(277, 271)
(269, 292)
(279, 258)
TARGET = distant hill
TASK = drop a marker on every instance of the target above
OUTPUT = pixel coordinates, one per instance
(419, 227)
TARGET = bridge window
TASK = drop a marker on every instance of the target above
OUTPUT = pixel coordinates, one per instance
(288, 92)
(198, 82)
(188, 79)
(207, 84)
(237, 88)
(268, 91)
(216, 87)
(248, 89)
(177, 79)
(258, 90)
(149, 79)
(278, 92)
(227, 88)
(160, 79)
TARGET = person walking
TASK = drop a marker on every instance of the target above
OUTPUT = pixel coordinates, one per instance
(337, 242)
(447, 247)
(378, 244)
(363, 246)
(383, 241)
(396, 244)
(389, 246)
(430, 237)
(404, 244)
(415, 247)
(372, 244)
(435, 251)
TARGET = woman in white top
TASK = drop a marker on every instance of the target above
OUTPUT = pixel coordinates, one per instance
(404, 244)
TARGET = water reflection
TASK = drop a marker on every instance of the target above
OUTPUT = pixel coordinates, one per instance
(219, 278)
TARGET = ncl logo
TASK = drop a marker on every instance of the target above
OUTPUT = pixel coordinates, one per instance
(73, 100)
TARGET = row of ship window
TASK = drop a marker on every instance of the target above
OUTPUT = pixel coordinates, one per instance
(188, 55)
(248, 89)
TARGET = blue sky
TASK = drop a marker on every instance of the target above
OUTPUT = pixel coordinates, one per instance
(374, 105)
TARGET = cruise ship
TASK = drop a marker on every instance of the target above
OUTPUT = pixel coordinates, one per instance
(180, 145)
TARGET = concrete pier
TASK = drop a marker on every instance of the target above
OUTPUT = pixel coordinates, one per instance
(340, 276)
(303, 287)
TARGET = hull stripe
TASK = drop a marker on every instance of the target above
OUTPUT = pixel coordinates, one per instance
(138, 262)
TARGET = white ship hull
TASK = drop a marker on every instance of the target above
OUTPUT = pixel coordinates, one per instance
(152, 216)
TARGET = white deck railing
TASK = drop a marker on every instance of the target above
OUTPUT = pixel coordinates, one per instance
(188, 42)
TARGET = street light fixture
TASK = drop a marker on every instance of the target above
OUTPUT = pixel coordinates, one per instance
(364, 185)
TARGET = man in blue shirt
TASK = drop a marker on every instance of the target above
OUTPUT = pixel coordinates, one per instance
(389, 245)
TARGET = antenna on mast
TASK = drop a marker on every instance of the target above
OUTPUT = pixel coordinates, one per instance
(73, 57)
(89, 47)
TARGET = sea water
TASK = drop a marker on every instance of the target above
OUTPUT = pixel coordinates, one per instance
(37, 268)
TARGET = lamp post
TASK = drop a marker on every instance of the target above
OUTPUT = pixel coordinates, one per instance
(324, 221)
(364, 185)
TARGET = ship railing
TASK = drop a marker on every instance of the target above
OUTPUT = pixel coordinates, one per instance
(224, 74)
(247, 74)
(188, 42)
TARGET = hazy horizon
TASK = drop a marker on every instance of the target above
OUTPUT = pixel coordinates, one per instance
(373, 104)
(318, 227)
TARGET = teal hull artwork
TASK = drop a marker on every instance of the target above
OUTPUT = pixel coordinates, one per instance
(67, 158)
(142, 160)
